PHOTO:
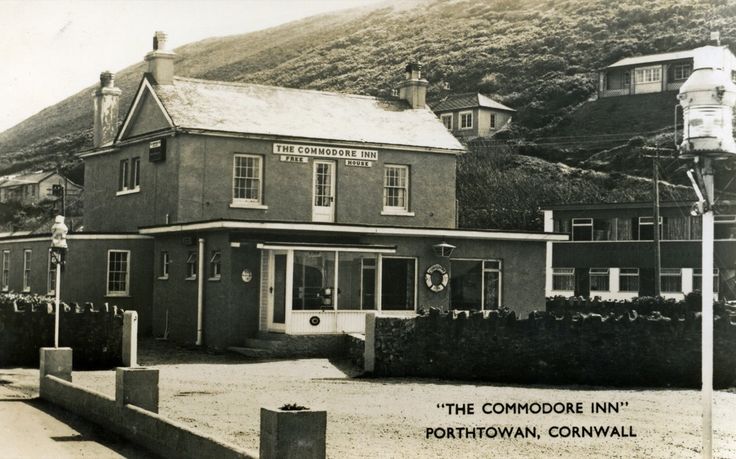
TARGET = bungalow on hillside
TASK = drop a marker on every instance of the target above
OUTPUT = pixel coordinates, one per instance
(654, 73)
(35, 187)
(471, 115)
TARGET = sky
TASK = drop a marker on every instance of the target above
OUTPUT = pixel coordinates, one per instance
(52, 49)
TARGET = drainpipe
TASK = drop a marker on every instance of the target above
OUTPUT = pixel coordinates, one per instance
(200, 289)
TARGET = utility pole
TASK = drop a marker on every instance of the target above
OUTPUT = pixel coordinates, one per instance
(657, 247)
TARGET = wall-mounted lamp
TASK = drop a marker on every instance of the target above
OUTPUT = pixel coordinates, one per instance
(443, 249)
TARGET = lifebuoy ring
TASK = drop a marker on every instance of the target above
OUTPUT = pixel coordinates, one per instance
(436, 278)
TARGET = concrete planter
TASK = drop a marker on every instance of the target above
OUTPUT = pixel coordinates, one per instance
(296, 432)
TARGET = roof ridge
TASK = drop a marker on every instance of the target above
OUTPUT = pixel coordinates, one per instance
(243, 84)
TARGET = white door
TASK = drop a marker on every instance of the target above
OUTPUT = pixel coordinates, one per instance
(323, 191)
(277, 291)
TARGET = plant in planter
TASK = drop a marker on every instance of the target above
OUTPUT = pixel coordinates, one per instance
(293, 430)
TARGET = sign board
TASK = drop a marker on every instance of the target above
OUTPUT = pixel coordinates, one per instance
(157, 150)
(294, 159)
(358, 163)
(324, 151)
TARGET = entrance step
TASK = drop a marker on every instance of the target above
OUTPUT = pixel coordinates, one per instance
(273, 345)
(251, 352)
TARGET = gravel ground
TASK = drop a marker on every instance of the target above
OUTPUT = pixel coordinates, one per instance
(380, 417)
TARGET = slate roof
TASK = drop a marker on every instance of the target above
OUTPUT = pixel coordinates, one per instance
(468, 100)
(652, 58)
(27, 179)
(270, 110)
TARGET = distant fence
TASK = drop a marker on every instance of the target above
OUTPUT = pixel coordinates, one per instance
(27, 324)
(624, 350)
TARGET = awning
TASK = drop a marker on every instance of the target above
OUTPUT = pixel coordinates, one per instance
(363, 248)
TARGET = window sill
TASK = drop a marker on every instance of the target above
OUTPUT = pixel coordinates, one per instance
(214, 279)
(397, 213)
(131, 191)
(193, 278)
(163, 278)
(245, 205)
(117, 295)
(27, 290)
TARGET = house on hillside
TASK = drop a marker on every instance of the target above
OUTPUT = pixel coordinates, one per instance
(472, 115)
(35, 187)
(655, 72)
(610, 253)
(224, 212)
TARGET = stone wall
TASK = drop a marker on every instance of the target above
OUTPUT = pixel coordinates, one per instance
(27, 324)
(617, 350)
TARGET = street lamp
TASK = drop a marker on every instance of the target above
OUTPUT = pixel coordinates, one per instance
(707, 98)
(58, 250)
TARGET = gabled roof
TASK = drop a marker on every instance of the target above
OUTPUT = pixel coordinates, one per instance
(306, 114)
(652, 58)
(26, 179)
(468, 100)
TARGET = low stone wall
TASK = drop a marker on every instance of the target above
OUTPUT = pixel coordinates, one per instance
(355, 348)
(627, 350)
(156, 433)
(27, 324)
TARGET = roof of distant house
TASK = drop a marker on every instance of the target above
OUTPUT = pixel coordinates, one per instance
(26, 179)
(298, 113)
(468, 100)
(651, 58)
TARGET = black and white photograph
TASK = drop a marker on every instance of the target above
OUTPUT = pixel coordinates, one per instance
(367, 229)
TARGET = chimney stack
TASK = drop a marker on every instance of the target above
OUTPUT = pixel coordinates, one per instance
(414, 88)
(161, 60)
(107, 102)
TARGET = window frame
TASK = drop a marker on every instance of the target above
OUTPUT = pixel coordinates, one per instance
(416, 284)
(579, 222)
(602, 273)
(5, 280)
(698, 272)
(444, 117)
(51, 277)
(568, 273)
(215, 265)
(462, 118)
(191, 265)
(129, 176)
(164, 261)
(397, 210)
(642, 222)
(648, 75)
(724, 220)
(118, 293)
(493, 121)
(135, 173)
(680, 68)
(247, 202)
(27, 257)
(670, 272)
(622, 273)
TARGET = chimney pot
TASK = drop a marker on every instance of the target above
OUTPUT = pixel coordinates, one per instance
(159, 41)
(414, 88)
(107, 102)
(161, 60)
(107, 79)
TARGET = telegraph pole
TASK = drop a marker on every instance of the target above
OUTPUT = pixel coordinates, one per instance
(657, 247)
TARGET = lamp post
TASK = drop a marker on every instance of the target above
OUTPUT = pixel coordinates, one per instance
(707, 98)
(58, 250)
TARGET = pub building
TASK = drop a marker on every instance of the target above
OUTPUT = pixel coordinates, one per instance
(279, 210)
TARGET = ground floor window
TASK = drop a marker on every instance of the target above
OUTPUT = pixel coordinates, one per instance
(628, 280)
(6, 270)
(191, 265)
(51, 279)
(599, 279)
(118, 272)
(563, 279)
(698, 280)
(398, 284)
(670, 280)
(313, 281)
(27, 270)
(475, 284)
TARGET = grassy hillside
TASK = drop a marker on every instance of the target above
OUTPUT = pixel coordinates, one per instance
(538, 56)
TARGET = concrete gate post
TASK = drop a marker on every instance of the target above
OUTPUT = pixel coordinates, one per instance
(130, 339)
(369, 354)
(137, 386)
(56, 361)
(293, 432)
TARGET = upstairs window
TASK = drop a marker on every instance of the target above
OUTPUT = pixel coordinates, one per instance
(447, 120)
(582, 229)
(396, 189)
(129, 175)
(247, 180)
(681, 71)
(118, 272)
(215, 265)
(628, 280)
(466, 120)
(646, 228)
